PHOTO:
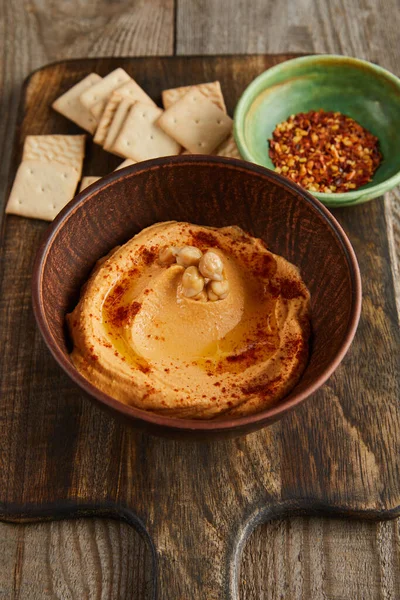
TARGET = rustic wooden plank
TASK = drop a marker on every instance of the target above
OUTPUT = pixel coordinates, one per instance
(297, 559)
(322, 559)
(361, 28)
(301, 28)
(269, 469)
(91, 559)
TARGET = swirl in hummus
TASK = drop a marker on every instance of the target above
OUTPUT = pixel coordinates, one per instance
(138, 336)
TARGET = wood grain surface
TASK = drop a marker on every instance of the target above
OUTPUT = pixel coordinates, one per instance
(298, 558)
(197, 502)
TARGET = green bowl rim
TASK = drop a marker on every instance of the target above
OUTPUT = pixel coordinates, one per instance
(345, 197)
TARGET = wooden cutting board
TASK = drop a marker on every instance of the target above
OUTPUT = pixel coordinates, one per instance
(196, 502)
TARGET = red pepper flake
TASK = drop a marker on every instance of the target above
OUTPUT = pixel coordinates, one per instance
(325, 151)
(148, 255)
(287, 288)
(122, 315)
(249, 355)
(117, 293)
(262, 265)
(204, 239)
(294, 348)
(264, 388)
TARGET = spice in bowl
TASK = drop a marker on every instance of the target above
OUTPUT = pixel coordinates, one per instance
(325, 151)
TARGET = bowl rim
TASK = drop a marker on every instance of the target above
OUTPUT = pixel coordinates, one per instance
(334, 199)
(174, 423)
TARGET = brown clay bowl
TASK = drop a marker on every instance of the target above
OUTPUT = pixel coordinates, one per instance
(207, 191)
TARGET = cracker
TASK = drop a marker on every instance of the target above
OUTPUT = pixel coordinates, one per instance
(100, 93)
(70, 106)
(228, 148)
(131, 90)
(196, 123)
(127, 163)
(88, 180)
(140, 138)
(97, 109)
(106, 118)
(120, 115)
(42, 189)
(211, 90)
(63, 149)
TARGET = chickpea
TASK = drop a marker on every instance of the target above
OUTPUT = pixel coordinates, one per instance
(220, 288)
(167, 255)
(192, 282)
(202, 297)
(188, 256)
(211, 296)
(211, 266)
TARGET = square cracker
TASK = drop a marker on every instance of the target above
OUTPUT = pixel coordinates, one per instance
(131, 90)
(196, 123)
(63, 149)
(88, 180)
(140, 138)
(126, 163)
(97, 109)
(106, 118)
(212, 90)
(70, 106)
(120, 115)
(101, 92)
(228, 148)
(41, 189)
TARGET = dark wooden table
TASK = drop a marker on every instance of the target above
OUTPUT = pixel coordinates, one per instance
(298, 558)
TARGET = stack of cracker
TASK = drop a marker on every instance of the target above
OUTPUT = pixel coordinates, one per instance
(47, 177)
(194, 122)
(125, 121)
(84, 102)
(129, 123)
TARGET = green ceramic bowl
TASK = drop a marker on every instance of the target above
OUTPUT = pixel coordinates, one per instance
(357, 88)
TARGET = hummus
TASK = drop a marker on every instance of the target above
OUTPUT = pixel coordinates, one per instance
(138, 338)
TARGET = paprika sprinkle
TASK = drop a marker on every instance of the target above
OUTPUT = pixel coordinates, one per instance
(324, 151)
